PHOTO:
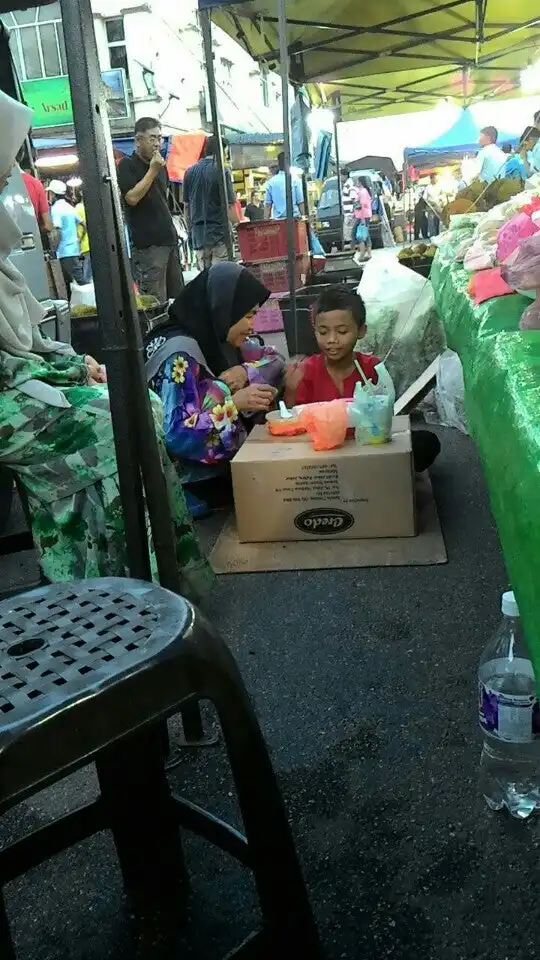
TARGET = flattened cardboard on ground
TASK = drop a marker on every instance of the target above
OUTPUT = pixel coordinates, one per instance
(231, 556)
(284, 490)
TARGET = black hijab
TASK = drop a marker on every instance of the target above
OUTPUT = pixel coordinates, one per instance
(211, 304)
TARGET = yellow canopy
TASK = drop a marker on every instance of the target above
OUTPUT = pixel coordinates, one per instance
(396, 56)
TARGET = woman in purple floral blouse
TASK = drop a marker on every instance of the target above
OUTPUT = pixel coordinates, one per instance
(207, 371)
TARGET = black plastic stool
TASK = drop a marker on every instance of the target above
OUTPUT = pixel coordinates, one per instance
(88, 673)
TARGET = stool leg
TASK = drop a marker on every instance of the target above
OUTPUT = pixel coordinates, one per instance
(282, 892)
(142, 819)
(7, 950)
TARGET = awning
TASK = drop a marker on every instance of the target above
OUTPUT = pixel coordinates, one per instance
(394, 57)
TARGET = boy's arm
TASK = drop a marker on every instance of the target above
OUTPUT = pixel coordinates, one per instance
(297, 387)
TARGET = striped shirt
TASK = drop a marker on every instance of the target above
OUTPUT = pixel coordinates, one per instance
(348, 197)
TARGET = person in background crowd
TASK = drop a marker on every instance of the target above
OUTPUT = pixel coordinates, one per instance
(525, 157)
(535, 152)
(420, 217)
(491, 160)
(434, 204)
(254, 209)
(348, 200)
(275, 201)
(66, 221)
(387, 185)
(84, 241)
(38, 198)
(363, 212)
(514, 168)
(208, 226)
(144, 184)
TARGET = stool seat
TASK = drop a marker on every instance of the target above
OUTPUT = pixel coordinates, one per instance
(89, 673)
(70, 645)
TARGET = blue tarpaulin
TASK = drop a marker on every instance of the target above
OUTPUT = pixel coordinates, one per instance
(323, 154)
(453, 144)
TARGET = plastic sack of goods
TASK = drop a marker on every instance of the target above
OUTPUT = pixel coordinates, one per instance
(522, 272)
(401, 316)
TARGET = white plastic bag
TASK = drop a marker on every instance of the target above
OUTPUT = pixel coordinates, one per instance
(400, 314)
(82, 295)
(450, 392)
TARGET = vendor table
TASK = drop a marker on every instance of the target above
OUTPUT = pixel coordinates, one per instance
(501, 367)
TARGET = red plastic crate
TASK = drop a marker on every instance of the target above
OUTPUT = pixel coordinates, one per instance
(268, 318)
(274, 274)
(267, 239)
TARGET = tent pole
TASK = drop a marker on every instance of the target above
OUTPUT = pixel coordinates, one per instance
(135, 440)
(116, 310)
(291, 246)
(206, 29)
(133, 424)
(338, 172)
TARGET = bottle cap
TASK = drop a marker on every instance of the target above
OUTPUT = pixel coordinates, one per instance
(509, 605)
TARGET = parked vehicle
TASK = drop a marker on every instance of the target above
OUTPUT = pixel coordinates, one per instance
(330, 222)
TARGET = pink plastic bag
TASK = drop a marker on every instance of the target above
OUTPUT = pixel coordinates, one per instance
(326, 423)
(512, 233)
(489, 284)
(522, 268)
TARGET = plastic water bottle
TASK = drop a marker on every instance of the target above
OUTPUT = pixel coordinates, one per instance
(509, 719)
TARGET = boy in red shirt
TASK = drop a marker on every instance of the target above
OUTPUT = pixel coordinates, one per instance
(340, 320)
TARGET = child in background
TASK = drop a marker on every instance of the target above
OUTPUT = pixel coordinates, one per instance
(340, 320)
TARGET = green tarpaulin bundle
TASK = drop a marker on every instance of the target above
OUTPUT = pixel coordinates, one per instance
(501, 367)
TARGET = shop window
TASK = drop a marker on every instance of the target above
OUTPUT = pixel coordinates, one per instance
(36, 41)
(116, 40)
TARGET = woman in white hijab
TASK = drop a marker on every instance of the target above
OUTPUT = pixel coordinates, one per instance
(55, 426)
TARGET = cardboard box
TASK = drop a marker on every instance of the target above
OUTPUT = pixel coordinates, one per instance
(284, 490)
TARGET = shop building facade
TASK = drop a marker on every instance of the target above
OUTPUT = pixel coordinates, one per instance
(152, 64)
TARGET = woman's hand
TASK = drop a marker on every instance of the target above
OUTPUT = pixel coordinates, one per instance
(258, 398)
(235, 378)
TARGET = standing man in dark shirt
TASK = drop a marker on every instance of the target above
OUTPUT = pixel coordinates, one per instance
(144, 184)
(208, 225)
(255, 209)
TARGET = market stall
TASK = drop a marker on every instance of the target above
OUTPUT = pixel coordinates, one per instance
(501, 366)
(460, 140)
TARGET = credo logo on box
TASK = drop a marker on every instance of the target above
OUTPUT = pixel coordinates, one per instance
(324, 522)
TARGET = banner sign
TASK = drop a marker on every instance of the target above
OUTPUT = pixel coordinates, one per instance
(50, 99)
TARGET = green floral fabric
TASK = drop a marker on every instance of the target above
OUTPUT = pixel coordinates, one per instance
(65, 458)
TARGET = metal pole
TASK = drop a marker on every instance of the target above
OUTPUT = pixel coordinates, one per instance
(133, 424)
(338, 170)
(291, 246)
(206, 28)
